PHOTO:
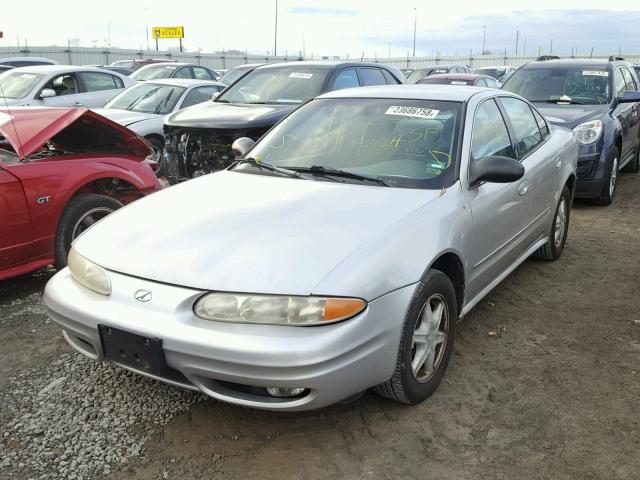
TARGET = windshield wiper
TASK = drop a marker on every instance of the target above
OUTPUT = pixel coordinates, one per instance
(338, 173)
(267, 166)
(563, 99)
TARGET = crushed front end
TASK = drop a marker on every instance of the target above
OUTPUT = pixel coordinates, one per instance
(192, 152)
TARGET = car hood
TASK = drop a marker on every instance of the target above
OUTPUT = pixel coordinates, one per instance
(28, 128)
(125, 117)
(569, 116)
(241, 232)
(229, 115)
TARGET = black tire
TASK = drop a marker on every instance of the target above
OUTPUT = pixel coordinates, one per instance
(404, 386)
(90, 205)
(607, 193)
(158, 147)
(634, 165)
(553, 248)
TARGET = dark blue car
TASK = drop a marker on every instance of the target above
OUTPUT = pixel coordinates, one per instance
(599, 101)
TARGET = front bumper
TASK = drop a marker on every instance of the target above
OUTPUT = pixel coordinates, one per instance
(332, 362)
(589, 175)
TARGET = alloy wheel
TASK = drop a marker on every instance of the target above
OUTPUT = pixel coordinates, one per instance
(88, 219)
(613, 177)
(561, 223)
(429, 338)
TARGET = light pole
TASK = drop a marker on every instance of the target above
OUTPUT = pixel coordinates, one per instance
(275, 36)
(484, 36)
(415, 21)
(146, 25)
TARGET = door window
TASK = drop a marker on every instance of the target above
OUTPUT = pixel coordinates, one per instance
(490, 135)
(65, 84)
(491, 83)
(198, 95)
(184, 72)
(95, 81)
(371, 76)
(630, 83)
(525, 127)
(542, 123)
(201, 73)
(391, 80)
(481, 83)
(347, 78)
(621, 85)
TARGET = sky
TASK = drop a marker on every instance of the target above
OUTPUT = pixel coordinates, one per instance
(334, 27)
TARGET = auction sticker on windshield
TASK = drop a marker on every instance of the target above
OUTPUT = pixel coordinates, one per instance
(300, 75)
(595, 73)
(418, 112)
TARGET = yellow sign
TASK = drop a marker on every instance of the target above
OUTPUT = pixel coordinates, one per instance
(167, 32)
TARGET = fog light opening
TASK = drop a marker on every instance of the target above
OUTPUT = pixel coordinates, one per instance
(284, 392)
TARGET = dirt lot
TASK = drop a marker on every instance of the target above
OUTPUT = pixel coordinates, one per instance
(554, 395)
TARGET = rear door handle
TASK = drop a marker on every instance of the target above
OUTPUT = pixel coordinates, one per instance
(558, 162)
(78, 104)
(523, 188)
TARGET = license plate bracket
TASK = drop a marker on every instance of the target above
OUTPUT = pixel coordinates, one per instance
(132, 350)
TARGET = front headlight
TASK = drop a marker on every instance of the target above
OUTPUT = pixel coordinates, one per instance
(276, 309)
(88, 274)
(588, 132)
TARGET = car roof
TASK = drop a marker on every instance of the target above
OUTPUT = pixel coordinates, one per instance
(183, 82)
(414, 92)
(323, 64)
(26, 59)
(49, 69)
(171, 64)
(457, 76)
(495, 66)
(572, 62)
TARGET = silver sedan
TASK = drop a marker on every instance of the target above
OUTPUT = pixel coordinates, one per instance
(337, 254)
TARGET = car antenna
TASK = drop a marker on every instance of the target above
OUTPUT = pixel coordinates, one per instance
(6, 104)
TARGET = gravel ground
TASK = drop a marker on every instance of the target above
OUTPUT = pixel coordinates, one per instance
(544, 383)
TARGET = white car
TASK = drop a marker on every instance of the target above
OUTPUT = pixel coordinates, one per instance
(60, 86)
(142, 107)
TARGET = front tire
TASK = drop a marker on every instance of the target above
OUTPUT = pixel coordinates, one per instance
(157, 147)
(426, 341)
(81, 212)
(559, 228)
(611, 181)
(634, 165)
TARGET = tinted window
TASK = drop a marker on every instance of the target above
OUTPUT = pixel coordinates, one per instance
(542, 123)
(202, 73)
(587, 86)
(490, 135)
(406, 143)
(95, 82)
(525, 127)
(184, 72)
(347, 78)
(628, 79)
(153, 72)
(371, 76)
(198, 95)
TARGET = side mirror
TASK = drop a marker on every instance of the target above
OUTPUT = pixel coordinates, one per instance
(47, 93)
(241, 146)
(630, 96)
(495, 170)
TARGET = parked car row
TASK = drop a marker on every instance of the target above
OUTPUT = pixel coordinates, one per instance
(349, 223)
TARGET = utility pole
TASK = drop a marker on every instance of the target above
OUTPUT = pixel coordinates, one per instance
(484, 37)
(524, 46)
(415, 22)
(517, 40)
(275, 36)
(551, 49)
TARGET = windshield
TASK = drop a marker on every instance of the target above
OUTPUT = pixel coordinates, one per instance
(18, 84)
(147, 98)
(584, 85)
(405, 143)
(417, 75)
(232, 75)
(496, 73)
(153, 72)
(276, 86)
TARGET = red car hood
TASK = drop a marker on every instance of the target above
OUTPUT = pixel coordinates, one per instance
(28, 128)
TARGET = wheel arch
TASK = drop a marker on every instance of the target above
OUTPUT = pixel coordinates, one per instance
(450, 263)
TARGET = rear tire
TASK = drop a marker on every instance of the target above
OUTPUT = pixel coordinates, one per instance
(426, 341)
(81, 212)
(559, 228)
(611, 181)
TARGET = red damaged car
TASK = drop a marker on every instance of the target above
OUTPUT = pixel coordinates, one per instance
(61, 170)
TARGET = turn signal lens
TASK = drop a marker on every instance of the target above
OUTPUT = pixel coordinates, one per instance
(276, 309)
(88, 274)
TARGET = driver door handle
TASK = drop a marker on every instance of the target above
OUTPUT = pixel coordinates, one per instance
(523, 188)
(78, 104)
